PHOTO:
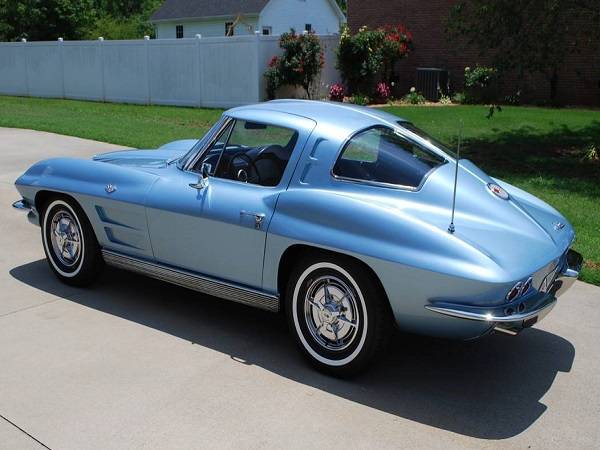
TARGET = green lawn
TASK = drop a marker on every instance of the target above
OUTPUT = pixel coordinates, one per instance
(540, 150)
(129, 125)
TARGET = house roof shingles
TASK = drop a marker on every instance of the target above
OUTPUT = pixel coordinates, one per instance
(182, 9)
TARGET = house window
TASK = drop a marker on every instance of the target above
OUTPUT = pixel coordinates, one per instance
(179, 31)
(267, 31)
(308, 27)
(229, 30)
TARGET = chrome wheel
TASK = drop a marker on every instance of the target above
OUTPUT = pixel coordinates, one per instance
(337, 312)
(65, 237)
(69, 242)
(331, 313)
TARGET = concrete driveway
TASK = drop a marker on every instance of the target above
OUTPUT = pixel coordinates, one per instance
(135, 363)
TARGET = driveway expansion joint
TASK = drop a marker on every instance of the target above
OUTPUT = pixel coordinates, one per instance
(27, 308)
(24, 432)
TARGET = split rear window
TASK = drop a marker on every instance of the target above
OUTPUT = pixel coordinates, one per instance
(380, 155)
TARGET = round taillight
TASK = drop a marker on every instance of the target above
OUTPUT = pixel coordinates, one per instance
(514, 292)
(526, 286)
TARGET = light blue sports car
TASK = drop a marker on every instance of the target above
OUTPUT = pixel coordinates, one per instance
(348, 219)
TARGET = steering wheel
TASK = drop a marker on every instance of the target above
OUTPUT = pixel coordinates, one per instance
(242, 175)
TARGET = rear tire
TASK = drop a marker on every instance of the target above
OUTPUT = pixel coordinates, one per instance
(337, 313)
(70, 244)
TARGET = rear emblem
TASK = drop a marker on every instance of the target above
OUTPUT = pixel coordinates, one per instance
(110, 188)
(558, 226)
(498, 191)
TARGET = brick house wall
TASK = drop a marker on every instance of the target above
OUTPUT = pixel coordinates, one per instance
(579, 80)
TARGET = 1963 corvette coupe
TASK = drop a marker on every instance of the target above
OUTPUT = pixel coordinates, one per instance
(337, 215)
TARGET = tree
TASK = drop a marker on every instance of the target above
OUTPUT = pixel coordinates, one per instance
(300, 64)
(42, 20)
(45, 19)
(123, 19)
(527, 35)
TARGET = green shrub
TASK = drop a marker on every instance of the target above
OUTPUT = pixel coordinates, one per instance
(460, 97)
(359, 99)
(300, 64)
(481, 84)
(414, 97)
(368, 56)
(445, 100)
(480, 77)
(273, 77)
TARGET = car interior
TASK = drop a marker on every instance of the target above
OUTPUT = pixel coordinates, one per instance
(258, 155)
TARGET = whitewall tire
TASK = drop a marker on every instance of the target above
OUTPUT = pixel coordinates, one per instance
(337, 313)
(69, 242)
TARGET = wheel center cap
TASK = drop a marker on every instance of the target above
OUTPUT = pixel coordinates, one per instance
(329, 313)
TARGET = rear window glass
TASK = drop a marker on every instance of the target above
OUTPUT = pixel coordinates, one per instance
(381, 155)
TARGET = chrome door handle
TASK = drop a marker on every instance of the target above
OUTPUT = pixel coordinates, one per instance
(258, 218)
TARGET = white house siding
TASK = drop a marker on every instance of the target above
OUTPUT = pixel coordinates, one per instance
(282, 15)
(207, 28)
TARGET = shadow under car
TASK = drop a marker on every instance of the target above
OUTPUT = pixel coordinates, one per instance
(489, 389)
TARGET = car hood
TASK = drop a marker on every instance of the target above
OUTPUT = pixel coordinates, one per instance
(148, 159)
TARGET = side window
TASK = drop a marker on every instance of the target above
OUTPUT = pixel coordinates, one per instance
(381, 155)
(252, 152)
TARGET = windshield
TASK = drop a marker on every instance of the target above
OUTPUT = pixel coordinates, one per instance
(200, 144)
(410, 127)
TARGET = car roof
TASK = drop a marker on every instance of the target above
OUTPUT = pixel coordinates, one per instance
(350, 117)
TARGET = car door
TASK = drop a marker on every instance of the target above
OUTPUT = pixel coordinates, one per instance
(219, 229)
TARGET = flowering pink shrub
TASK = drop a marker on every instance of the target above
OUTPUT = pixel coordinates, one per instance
(382, 92)
(336, 93)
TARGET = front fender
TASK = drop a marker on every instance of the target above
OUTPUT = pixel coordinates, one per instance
(118, 217)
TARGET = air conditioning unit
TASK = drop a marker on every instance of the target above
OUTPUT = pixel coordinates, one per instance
(432, 82)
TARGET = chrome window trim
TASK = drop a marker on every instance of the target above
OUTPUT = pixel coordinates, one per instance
(399, 187)
(200, 152)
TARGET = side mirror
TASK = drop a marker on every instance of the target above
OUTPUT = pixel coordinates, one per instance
(203, 178)
(206, 168)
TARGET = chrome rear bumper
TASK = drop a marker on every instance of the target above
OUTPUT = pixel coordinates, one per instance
(569, 273)
(32, 214)
(535, 311)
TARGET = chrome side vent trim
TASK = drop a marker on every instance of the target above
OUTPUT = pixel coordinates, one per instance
(194, 282)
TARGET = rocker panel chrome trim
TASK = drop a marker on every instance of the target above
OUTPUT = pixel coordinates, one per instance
(193, 281)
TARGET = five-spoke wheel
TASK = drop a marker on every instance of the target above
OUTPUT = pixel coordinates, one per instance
(331, 313)
(337, 313)
(69, 242)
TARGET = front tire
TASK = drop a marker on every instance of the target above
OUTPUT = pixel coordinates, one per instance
(337, 312)
(70, 244)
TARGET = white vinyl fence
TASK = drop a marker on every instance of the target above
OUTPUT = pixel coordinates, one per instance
(208, 72)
